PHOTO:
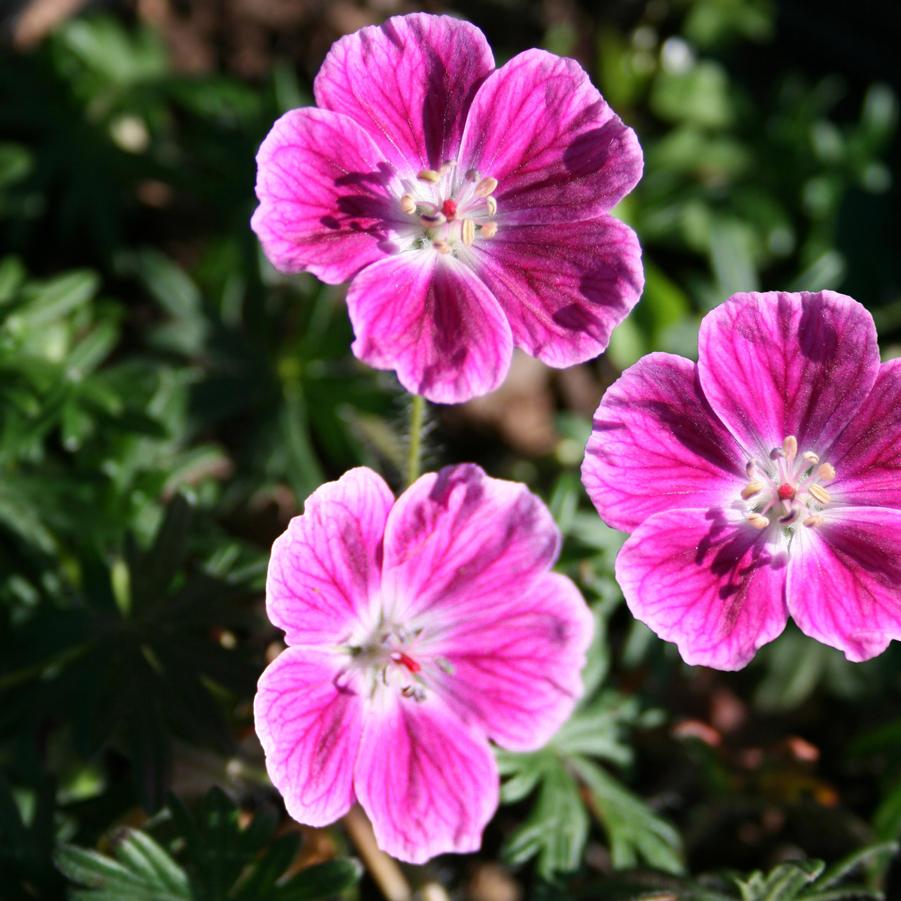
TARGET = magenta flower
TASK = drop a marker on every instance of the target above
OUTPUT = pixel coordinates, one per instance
(470, 205)
(417, 630)
(763, 482)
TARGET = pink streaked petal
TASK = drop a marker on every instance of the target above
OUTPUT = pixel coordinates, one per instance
(428, 784)
(409, 82)
(325, 568)
(458, 540)
(867, 455)
(712, 586)
(779, 364)
(434, 322)
(516, 663)
(844, 580)
(323, 188)
(559, 153)
(309, 722)
(564, 289)
(656, 445)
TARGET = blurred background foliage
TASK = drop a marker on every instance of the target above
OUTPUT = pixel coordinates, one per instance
(167, 401)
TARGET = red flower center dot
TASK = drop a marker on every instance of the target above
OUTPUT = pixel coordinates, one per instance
(786, 492)
(406, 660)
(449, 208)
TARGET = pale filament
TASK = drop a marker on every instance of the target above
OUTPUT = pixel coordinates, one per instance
(449, 210)
(787, 488)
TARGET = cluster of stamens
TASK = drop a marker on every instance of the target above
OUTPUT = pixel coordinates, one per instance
(395, 658)
(447, 211)
(787, 488)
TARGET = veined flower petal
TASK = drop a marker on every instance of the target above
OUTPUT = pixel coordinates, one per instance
(656, 445)
(777, 364)
(515, 662)
(309, 721)
(323, 188)
(458, 540)
(409, 82)
(433, 321)
(844, 580)
(428, 784)
(564, 289)
(325, 568)
(867, 455)
(558, 152)
(713, 587)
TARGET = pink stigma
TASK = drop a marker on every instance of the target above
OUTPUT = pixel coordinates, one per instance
(408, 662)
(449, 208)
(786, 492)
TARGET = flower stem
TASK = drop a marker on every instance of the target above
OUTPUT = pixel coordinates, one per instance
(414, 448)
(385, 872)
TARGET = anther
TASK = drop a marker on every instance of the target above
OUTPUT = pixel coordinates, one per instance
(447, 166)
(429, 220)
(429, 175)
(469, 231)
(408, 204)
(444, 665)
(751, 489)
(488, 230)
(826, 472)
(811, 457)
(491, 205)
(790, 448)
(473, 175)
(820, 493)
(441, 246)
(758, 520)
(813, 521)
(750, 469)
(485, 187)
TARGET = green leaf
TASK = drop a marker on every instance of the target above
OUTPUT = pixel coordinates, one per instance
(324, 880)
(96, 871)
(837, 872)
(636, 833)
(555, 830)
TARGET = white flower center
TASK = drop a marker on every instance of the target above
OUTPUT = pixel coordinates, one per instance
(446, 211)
(396, 659)
(786, 488)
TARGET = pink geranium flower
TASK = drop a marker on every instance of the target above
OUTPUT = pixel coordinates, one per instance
(763, 482)
(418, 629)
(470, 205)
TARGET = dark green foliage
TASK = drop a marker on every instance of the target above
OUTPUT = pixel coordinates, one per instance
(223, 861)
(167, 401)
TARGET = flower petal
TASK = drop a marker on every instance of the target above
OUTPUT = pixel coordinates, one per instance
(867, 455)
(564, 290)
(844, 580)
(457, 540)
(409, 82)
(309, 723)
(713, 587)
(326, 567)
(430, 319)
(428, 784)
(559, 153)
(325, 204)
(656, 445)
(779, 364)
(515, 664)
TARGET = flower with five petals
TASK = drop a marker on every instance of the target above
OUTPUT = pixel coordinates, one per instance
(469, 205)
